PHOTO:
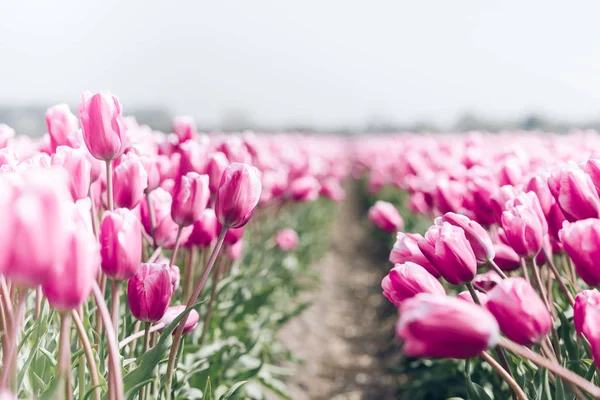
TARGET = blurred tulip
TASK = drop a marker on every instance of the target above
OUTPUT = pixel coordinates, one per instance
(524, 224)
(522, 315)
(150, 164)
(539, 186)
(173, 312)
(581, 241)
(406, 249)
(506, 258)
(306, 188)
(332, 189)
(385, 216)
(62, 126)
(215, 166)
(121, 244)
(487, 281)
(286, 239)
(449, 195)
(586, 299)
(574, 192)
(478, 238)
(149, 292)
(75, 162)
(190, 198)
(466, 295)
(447, 248)
(102, 124)
(130, 181)
(499, 199)
(442, 327)
(234, 251)
(407, 280)
(184, 128)
(165, 230)
(205, 230)
(238, 195)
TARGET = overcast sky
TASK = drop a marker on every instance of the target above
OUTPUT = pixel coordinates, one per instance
(321, 62)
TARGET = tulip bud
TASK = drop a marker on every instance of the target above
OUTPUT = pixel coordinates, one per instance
(587, 299)
(151, 166)
(130, 182)
(75, 162)
(522, 315)
(447, 248)
(524, 224)
(407, 280)
(190, 197)
(185, 128)
(61, 124)
(506, 258)
(478, 238)
(385, 216)
(487, 281)
(102, 124)
(581, 241)
(539, 186)
(173, 312)
(238, 195)
(305, 188)
(444, 327)
(574, 192)
(466, 296)
(286, 239)
(214, 169)
(205, 230)
(149, 292)
(406, 249)
(121, 244)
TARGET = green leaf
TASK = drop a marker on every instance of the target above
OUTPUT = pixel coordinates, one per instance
(150, 360)
(232, 390)
(53, 388)
(42, 324)
(476, 392)
(208, 389)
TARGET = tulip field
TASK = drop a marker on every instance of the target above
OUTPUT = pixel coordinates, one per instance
(139, 264)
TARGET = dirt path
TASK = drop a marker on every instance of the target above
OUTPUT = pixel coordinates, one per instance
(347, 333)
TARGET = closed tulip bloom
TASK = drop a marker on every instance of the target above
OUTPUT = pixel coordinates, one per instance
(522, 315)
(385, 216)
(555, 219)
(406, 249)
(574, 192)
(448, 249)
(487, 281)
(499, 199)
(75, 162)
(581, 241)
(445, 327)
(305, 188)
(151, 166)
(407, 280)
(539, 186)
(205, 230)
(238, 195)
(102, 125)
(480, 240)
(524, 225)
(506, 258)
(466, 295)
(286, 239)
(174, 311)
(62, 125)
(190, 197)
(590, 328)
(69, 287)
(38, 241)
(585, 300)
(449, 195)
(120, 244)
(215, 166)
(130, 181)
(185, 128)
(149, 292)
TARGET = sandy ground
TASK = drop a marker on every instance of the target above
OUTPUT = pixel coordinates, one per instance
(346, 337)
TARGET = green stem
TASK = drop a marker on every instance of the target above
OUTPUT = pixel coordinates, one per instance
(143, 390)
(505, 375)
(89, 354)
(558, 277)
(109, 185)
(10, 356)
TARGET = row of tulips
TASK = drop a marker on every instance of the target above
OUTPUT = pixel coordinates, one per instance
(97, 217)
(516, 223)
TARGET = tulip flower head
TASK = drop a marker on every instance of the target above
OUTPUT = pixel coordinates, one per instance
(406, 249)
(149, 292)
(478, 238)
(174, 311)
(190, 198)
(121, 244)
(581, 241)
(238, 195)
(385, 216)
(407, 280)
(286, 239)
(525, 225)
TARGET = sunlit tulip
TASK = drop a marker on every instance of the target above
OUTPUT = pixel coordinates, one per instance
(574, 192)
(524, 224)
(190, 197)
(238, 195)
(406, 249)
(480, 240)
(407, 280)
(205, 230)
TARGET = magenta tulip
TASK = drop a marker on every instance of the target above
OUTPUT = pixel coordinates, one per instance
(286, 239)
(149, 292)
(574, 192)
(190, 198)
(121, 244)
(130, 182)
(524, 224)
(407, 280)
(581, 241)
(215, 166)
(443, 327)
(478, 238)
(205, 230)
(590, 328)
(238, 195)
(165, 229)
(234, 251)
(466, 295)
(506, 258)
(102, 125)
(406, 249)
(75, 162)
(522, 315)
(184, 128)
(449, 195)
(585, 300)
(487, 281)
(305, 188)
(539, 186)
(499, 199)
(385, 216)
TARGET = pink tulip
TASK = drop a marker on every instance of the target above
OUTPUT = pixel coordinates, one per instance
(506, 258)
(499, 199)
(407, 280)
(385, 216)
(165, 229)
(190, 198)
(286, 239)
(522, 315)
(238, 195)
(102, 124)
(478, 238)
(185, 128)
(406, 249)
(418, 204)
(487, 281)
(539, 186)
(130, 180)
(306, 188)
(192, 157)
(466, 295)
(585, 300)
(214, 169)
(62, 126)
(590, 328)
(121, 244)
(332, 189)
(173, 312)
(555, 219)
(205, 230)
(149, 292)
(75, 162)
(175, 277)
(151, 166)
(33, 226)
(574, 192)
(443, 327)
(448, 249)
(5, 394)
(482, 187)
(233, 235)
(581, 241)
(449, 195)
(524, 224)
(234, 251)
